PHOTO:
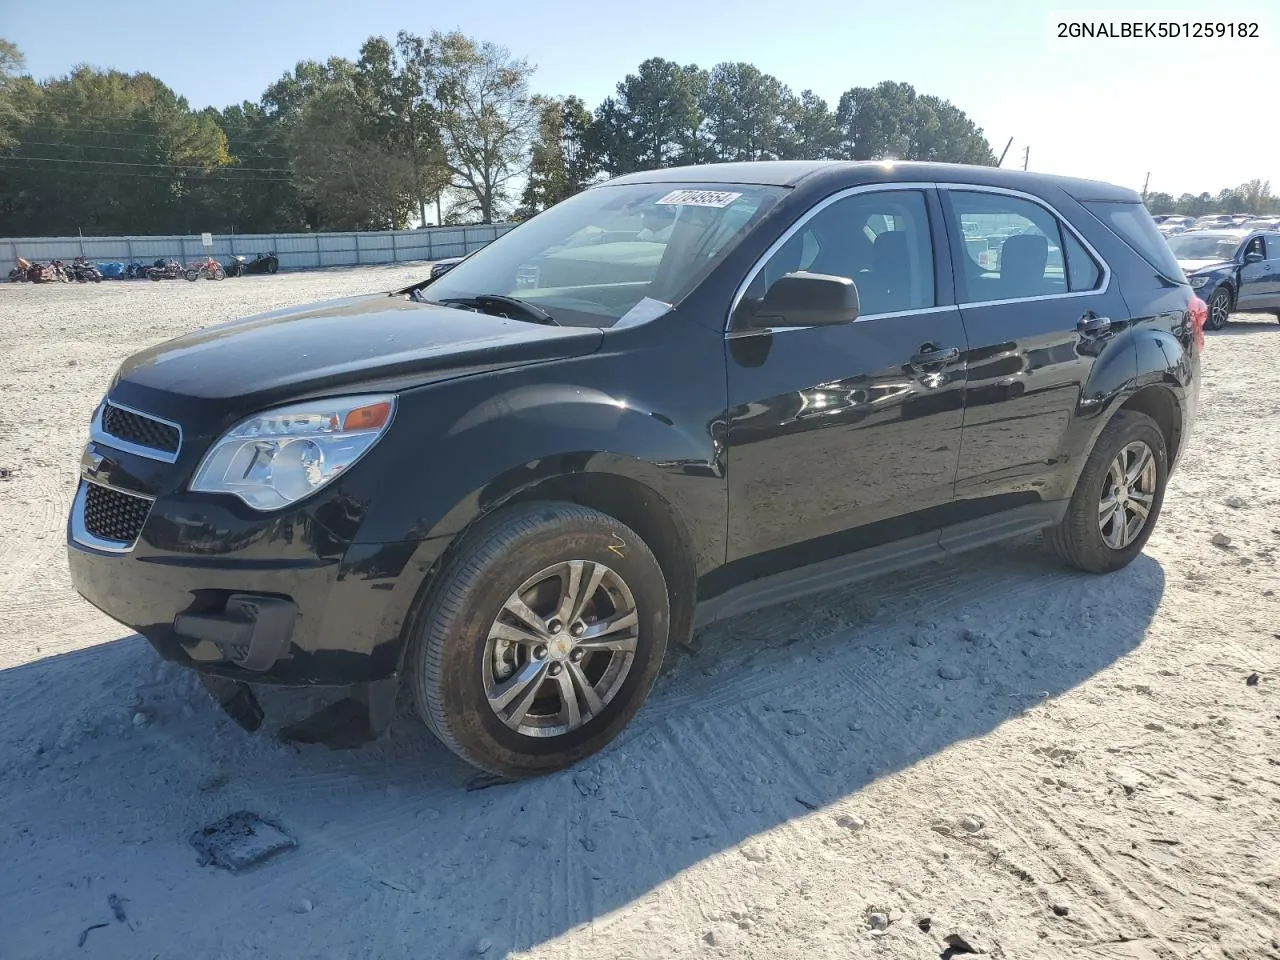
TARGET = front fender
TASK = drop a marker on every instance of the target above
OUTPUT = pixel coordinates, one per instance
(489, 446)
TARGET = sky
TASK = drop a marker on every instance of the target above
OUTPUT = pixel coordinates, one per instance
(1194, 114)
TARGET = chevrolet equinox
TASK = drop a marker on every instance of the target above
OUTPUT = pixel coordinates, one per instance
(675, 397)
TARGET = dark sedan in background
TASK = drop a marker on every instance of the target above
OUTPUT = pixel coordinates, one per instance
(1231, 270)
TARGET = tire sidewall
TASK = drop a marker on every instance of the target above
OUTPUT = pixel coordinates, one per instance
(1128, 431)
(1214, 296)
(471, 722)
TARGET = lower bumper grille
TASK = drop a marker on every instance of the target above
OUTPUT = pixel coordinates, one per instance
(111, 516)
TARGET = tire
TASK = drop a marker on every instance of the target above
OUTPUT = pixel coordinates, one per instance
(272, 267)
(1080, 539)
(154, 276)
(219, 273)
(1219, 302)
(453, 665)
(192, 275)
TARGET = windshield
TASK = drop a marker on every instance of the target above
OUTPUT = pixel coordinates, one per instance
(1190, 246)
(592, 258)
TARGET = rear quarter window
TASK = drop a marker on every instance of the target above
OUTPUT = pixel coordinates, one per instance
(1133, 224)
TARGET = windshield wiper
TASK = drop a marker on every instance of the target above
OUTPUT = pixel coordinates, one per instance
(486, 302)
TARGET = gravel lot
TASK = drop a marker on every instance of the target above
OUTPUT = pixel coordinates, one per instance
(1100, 781)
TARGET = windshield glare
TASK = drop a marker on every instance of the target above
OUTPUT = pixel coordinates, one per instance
(590, 259)
(1192, 247)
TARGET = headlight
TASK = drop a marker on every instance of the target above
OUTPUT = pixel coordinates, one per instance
(1198, 282)
(277, 457)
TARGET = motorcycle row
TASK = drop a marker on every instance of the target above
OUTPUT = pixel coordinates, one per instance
(80, 270)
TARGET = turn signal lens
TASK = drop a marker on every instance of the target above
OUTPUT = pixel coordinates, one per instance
(367, 418)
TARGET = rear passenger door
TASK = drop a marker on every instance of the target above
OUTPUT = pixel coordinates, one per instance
(1272, 240)
(1038, 309)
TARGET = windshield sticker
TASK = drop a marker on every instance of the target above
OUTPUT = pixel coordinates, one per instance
(644, 311)
(698, 198)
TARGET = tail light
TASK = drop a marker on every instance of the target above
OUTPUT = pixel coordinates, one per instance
(1198, 312)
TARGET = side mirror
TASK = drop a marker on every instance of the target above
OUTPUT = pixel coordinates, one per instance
(1253, 256)
(803, 299)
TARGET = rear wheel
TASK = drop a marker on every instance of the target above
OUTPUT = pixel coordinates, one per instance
(219, 273)
(192, 275)
(540, 640)
(1118, 497)
(1219, 309)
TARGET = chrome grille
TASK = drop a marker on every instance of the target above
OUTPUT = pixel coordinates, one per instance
(140, 429)
(114, 515)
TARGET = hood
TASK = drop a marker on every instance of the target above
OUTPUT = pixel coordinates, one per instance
(379, 342)
(1199, 266)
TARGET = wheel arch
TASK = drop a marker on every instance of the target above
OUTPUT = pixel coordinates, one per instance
(620, 487)
(1159, 402)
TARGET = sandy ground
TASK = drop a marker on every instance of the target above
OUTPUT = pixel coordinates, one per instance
(1101, 781)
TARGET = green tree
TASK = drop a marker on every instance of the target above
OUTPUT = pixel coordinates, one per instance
(747, 113)
(655, 120)
(563, 160)
(1159, 203)
(487, 119)
(811, 132)
(12, 109)
(892, 120)
(105, 152)
(397, 84)
(354, 179)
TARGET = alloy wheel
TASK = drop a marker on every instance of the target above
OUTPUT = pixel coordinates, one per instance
(561, 648)
(1128, 494)
(1219, 310)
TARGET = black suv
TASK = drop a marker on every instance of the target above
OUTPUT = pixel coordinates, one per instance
(672, 398)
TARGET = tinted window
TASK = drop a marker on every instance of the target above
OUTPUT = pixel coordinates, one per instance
(1013, 248)
(1132, 224)
(1273, 247)
(1083, 272)
(878, 240)
(1255, 246)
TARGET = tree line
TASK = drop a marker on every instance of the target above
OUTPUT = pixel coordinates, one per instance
(1253, 197)
(442, 128)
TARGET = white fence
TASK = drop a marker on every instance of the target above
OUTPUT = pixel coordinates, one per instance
(295, 250)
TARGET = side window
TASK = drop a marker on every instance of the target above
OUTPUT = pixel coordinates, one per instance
(1255, 246)
(1013, 247)
(1273, 247)
(880, 241)
(1083, 272)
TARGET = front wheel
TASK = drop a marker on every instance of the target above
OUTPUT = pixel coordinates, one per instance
(192, 275)
(1118, 497)
(1219, 309)
(219, 273)
(540, 640)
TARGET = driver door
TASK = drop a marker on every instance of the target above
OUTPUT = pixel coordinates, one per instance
(847, 436)
(1255, 278)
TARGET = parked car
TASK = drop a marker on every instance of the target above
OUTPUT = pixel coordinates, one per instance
(511, 486)
(1231, 270)
(1168, 229)
(441, 267)
(240, 265)
(1212, 221)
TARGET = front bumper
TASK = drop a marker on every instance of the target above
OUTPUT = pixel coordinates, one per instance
(259, 598)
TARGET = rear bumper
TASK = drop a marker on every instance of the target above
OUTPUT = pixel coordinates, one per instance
(268, 600)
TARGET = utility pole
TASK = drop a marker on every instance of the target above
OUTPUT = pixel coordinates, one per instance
(1000, 162)
(1145, 183)
(1026, 155)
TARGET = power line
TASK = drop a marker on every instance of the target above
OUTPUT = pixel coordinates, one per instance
(207, 178)
(95, 146)
(108, 132)
(128, 163)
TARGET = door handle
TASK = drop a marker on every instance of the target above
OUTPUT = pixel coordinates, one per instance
(1093, 325)
(931, 355)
